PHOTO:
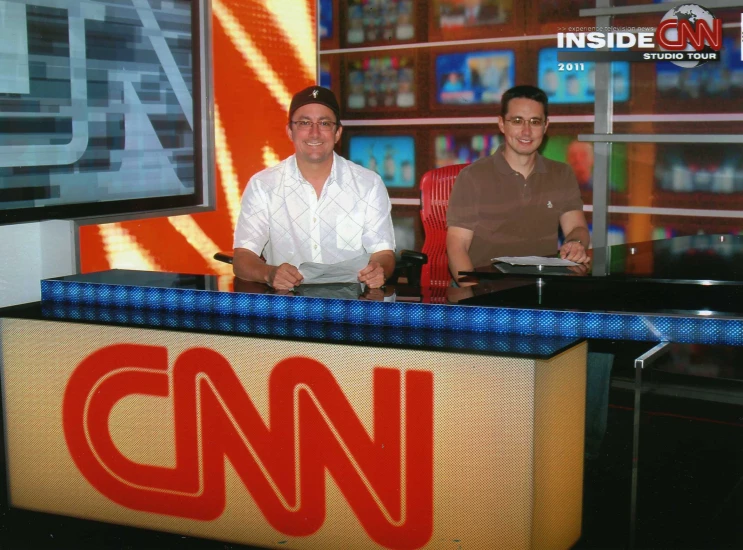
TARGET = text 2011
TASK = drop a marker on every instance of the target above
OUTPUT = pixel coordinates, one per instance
(571, 66)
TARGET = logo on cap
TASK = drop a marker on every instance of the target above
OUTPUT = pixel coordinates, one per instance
(314, 93)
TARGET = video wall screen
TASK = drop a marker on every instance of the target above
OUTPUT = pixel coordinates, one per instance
(721, 80)
(454, 14)
(579, 156)
(575, 83)
(100, 109)
(615, 233)
(713, 168)
(474, 78)
(391, 156)
(567, 10)
(325, 16)
(464, 148)
(381, 82)
(374, 21)
(326, 79)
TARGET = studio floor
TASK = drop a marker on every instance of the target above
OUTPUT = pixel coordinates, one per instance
(689, 470)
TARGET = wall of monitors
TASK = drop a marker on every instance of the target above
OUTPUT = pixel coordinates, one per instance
(420, 85)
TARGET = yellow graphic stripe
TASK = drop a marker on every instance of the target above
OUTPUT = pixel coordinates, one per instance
(295, 21)
(226, 168)
(225, 283)
(200, 242)
(270, 158)
(251, 54)
(123, 251)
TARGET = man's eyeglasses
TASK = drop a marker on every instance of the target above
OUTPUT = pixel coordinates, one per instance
(533, 122)
(323, 125)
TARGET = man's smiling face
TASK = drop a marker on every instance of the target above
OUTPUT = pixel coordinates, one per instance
(524, 139)
(313, 145)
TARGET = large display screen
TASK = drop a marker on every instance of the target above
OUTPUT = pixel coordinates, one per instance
(695, 168)
(392, 157)
(100, 109)
(579, 156)
(326, 80)
(474, 77)
(565, 10)
(379, 82)
(571, 83)
(722, 80)
(375, 21)
(326, 18)
(455, 14)
(464, 148)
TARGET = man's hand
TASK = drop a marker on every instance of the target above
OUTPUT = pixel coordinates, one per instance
(579, 269)
(454, 294)
(373, 295)
(372, 275)
(575, 252)
(284, 277)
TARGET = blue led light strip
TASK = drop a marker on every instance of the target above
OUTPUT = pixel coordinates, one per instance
(494, 320)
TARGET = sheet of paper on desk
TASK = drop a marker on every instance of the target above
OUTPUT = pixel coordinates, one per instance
(342, 272)
(534, 260)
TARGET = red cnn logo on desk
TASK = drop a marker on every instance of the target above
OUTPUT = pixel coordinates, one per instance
(386, 479)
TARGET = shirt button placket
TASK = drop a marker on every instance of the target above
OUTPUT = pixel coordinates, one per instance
(315, 231)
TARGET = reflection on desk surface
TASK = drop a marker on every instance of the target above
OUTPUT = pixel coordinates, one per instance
(611, 296)
(338, 291)
(696, 259)
(342, 291)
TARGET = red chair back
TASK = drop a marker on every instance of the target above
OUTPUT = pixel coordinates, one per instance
(436, 187)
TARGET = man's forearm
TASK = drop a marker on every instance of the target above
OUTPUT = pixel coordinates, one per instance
(579, 234)
(385, 258)
(248, 266)
(459, 260)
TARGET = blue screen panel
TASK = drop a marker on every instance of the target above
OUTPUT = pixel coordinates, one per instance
(392, 157)
(474, 77)
(575, 83)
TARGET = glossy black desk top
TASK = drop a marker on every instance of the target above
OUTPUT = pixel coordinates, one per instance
(695, 259)
(699, 275)
(635, 302)
(607, 296)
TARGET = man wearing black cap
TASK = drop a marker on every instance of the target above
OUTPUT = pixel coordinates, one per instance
(314, 206)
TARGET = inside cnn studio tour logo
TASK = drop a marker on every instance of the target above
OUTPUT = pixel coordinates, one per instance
(688, 35)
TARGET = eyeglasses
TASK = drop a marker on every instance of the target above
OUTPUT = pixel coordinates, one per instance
(323, 125)
(518, 121)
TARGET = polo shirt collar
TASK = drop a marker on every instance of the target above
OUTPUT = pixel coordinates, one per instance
(504, 168)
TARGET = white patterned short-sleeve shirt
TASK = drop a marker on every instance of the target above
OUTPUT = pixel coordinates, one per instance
(283, 220)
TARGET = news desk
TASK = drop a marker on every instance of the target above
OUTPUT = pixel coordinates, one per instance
(363, 420)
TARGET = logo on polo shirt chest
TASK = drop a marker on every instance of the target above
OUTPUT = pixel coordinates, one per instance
(549, 204)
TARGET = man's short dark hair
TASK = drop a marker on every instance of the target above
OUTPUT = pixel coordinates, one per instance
(526, 92)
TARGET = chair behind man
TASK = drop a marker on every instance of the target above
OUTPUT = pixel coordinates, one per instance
(435, 188)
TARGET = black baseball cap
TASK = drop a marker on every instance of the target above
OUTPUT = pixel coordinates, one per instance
(315, 94)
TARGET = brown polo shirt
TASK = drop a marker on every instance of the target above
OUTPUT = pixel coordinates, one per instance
(511, 215)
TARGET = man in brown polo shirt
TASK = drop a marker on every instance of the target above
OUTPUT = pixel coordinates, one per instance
(511, 203)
